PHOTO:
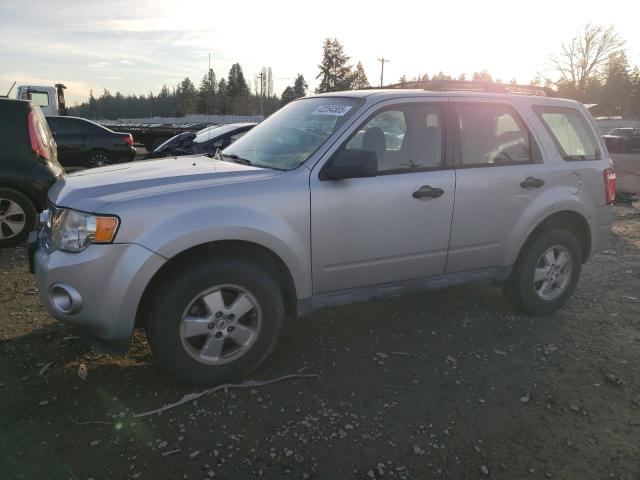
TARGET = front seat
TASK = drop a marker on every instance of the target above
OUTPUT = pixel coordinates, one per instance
(375, 141)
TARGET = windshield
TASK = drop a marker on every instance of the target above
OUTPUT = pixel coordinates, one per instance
(208, 133)
(288, 138)
(620, 132)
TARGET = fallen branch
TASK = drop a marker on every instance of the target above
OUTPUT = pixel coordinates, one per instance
(227, 386)
(88, 423)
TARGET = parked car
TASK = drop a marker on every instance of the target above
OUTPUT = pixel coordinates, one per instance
(623, 139)
(315, 208)
(28, 167)
(85, 144)
(208, 140)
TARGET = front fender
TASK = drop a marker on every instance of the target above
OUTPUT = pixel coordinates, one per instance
(186, 229)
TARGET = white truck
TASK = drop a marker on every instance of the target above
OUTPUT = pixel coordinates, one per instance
(50, 99)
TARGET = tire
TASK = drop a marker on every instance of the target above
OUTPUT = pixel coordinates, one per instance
(17, 217)
(533, 297)
(182, 322)
(99, 158)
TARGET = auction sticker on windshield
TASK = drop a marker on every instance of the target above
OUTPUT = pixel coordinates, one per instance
(336, 110)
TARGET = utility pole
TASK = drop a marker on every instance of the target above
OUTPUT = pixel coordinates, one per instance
(212, 100)
(382, 62)
(262, 79)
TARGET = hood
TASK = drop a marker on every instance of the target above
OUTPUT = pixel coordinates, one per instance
(612, 137)
(88, 190)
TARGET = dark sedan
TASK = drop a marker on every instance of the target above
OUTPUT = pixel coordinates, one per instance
(207, 140)
(85, 144)
(623, 139)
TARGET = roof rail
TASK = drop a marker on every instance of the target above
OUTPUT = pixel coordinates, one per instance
(471, 86)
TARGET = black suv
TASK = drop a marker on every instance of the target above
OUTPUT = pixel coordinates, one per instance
(28, 167)
(85, 144)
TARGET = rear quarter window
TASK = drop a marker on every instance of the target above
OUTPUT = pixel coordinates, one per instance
(570, 132)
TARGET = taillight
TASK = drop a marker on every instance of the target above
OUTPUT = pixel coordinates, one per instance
(36, 137)
(610, 186)
(128, 139)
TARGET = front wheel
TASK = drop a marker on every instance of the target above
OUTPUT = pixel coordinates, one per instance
(546, 273)
(215, 321)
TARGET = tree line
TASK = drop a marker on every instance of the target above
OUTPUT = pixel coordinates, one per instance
(230, 95)
(592, 68)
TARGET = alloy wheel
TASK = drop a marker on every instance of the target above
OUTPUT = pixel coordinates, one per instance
(553, 272)
(220, 324)
(12, 218)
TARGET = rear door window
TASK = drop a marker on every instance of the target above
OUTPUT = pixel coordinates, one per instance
(570, 132)
(492, 134)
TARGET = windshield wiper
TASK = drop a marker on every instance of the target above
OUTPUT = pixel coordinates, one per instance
(236, 158)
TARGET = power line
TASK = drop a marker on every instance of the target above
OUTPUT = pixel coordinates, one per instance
(382, 62)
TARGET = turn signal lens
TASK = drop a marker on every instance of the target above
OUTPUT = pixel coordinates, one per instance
(105, 229)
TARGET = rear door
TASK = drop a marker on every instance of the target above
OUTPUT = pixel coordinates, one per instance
(499, 173)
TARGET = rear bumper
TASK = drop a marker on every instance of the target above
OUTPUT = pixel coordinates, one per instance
(601, 222)
(125, 156)
(105, 284)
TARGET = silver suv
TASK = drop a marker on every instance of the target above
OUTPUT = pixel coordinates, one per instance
(334, 199)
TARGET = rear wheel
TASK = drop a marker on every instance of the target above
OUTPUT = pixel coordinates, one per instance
(546, 273)
(216, 321)
(99, 158)
(17, 217)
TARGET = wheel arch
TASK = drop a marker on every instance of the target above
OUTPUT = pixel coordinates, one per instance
(34, 201)
(569, 219)
(241, 249)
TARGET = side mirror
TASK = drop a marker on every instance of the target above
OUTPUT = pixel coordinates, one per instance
(352, 163)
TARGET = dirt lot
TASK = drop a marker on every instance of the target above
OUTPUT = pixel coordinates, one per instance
(449, 384)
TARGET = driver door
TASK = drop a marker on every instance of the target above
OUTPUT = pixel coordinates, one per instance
(387, 231)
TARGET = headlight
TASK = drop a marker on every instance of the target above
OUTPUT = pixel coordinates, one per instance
(74, 231)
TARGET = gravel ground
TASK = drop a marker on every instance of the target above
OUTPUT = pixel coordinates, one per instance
(448, 384)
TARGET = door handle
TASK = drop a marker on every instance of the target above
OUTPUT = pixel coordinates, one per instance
(531, 182)
(427, 191)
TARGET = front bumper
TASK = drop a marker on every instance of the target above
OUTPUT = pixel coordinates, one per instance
(106, 284)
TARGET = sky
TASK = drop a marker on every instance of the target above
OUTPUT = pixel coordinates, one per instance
(136, 46)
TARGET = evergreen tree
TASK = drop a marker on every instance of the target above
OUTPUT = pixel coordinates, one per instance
(359, 79)
(300, 86)
(221, 97)
(335, 71)
(617, 84)
(634, 78)
(207, 93)
(236, 84)
(188, 97)
(289, 95)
